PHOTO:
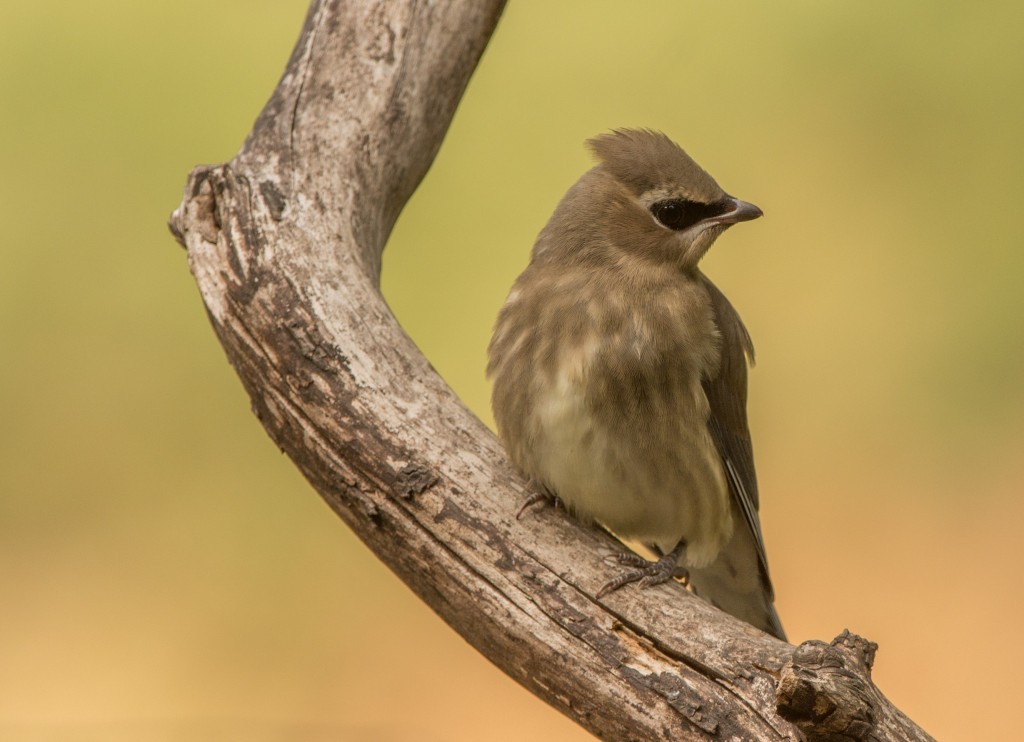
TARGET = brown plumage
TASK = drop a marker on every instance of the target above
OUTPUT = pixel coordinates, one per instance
(620, 371)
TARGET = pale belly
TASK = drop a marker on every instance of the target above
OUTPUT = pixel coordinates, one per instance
(654, 478)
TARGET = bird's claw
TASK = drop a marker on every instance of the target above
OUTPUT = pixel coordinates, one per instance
(536, 498)
(646, 574)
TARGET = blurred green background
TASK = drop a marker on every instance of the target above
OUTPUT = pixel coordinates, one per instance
(165, 574)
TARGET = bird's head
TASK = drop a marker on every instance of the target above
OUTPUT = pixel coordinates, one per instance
(648, 198)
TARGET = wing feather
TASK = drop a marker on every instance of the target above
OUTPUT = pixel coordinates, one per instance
(727, 397)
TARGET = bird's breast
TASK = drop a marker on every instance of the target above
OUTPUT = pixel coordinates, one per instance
(618, 425)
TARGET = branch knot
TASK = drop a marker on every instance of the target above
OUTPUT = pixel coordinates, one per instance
(826, 689)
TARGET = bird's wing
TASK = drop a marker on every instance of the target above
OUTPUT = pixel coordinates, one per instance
(727, 396)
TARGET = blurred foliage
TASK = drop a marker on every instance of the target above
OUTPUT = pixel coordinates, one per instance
(166, 574)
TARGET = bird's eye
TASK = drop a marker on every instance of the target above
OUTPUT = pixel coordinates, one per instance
(671, 214)
(678, 214)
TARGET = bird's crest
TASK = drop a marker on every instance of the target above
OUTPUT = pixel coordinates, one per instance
(644, 159)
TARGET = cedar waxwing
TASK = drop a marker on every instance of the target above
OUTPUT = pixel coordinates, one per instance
(620, 373)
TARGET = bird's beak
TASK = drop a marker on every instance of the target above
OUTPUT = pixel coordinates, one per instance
(741, 211)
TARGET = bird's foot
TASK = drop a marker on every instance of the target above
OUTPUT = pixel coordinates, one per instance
(647, 573)
(539, 497)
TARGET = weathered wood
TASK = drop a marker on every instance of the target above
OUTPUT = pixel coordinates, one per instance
(285, 243)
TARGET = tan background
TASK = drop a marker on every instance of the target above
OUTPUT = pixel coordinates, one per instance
(166, 575)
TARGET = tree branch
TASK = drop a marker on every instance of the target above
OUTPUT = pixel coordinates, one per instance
(285, 243)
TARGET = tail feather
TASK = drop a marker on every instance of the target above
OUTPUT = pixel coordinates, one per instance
(736, 583)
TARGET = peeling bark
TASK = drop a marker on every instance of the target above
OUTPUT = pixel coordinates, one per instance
(285, 243)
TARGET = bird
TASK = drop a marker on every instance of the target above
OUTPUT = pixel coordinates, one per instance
(619, 374)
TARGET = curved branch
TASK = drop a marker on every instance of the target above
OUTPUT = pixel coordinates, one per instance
(285, 242)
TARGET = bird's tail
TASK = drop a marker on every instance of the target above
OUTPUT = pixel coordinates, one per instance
(735, 583)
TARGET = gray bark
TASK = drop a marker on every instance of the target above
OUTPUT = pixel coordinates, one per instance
(285, 243)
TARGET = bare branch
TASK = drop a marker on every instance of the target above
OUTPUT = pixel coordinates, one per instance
(285, 242)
